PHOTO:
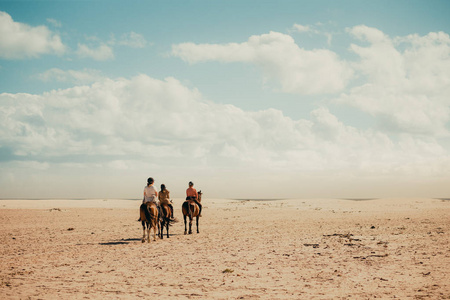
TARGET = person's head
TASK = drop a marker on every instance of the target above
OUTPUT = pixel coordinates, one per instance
(150, 181)
(163, 187)
(191, 184)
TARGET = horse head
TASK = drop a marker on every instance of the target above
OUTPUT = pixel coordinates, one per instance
(199, 196)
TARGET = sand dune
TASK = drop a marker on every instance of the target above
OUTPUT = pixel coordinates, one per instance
(285, 249)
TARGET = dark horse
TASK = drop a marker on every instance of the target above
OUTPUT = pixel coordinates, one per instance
(190, 209)
(165, 219)
(149, 217)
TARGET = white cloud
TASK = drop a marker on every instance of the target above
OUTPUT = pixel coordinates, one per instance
(54, 22)
(20, 41)
(102, 52)
(301, 28)
(98, 50)
(313, 30)
(133, 40)
(85, 76)
(369, 34)
(172, 126)
(407, 90)
(298, 70)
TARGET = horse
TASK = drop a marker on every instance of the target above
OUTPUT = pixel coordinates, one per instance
(149, 217)
(165, 219)
(191, 209)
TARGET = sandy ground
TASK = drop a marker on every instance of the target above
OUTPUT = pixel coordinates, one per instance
(285, 249)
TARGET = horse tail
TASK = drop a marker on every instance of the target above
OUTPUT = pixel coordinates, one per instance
(186, 208)
(162, 213)
(190, 212)
(148, 216)
(166, 211)
(171, 221)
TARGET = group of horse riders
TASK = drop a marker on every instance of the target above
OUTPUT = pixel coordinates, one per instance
(150, 195)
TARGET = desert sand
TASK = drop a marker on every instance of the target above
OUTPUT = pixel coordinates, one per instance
(283, 249)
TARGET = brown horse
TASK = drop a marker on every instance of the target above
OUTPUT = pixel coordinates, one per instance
(165, 219)
(149, 217)
(191, 209)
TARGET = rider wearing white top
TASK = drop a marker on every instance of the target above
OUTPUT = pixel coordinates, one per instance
(150, 193)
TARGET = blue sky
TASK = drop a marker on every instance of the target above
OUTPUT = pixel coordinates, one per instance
(247, 98)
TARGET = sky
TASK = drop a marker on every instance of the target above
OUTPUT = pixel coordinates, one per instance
(247, 99)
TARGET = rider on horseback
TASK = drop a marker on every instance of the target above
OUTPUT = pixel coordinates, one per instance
(150, 192)
(164, 198)
(191, 194)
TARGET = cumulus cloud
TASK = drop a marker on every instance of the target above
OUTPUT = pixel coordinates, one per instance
(406, 80)
(402, 81)
(312, 30)
(102, 52)
(142, 119)
(299, 71)
(20, 41)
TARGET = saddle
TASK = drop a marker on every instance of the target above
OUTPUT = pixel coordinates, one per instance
(189, 199)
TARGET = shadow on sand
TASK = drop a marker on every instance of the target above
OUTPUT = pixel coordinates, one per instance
(359, 199)
(128, 241)
(443, 199)
(120, 242)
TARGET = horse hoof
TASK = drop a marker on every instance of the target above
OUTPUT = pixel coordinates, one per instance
(185, 233)
(143, 240)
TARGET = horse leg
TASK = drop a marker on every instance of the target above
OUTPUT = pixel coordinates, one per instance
(154, 231)
(167, 229)
(148, 232)
(143, 228)
(161, 234)
(197, 223)
(185, 227)
(190, 224)
(158, 227)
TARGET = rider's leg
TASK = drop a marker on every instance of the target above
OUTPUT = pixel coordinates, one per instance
(159, 210)
(171, 208)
